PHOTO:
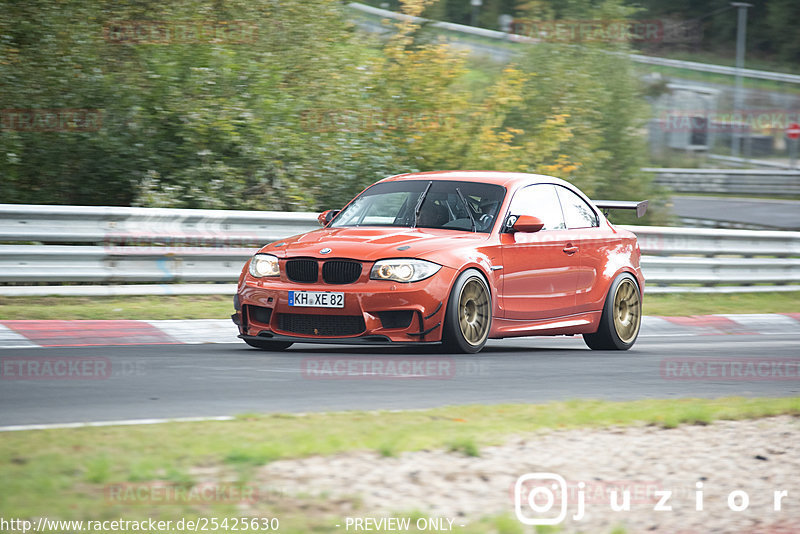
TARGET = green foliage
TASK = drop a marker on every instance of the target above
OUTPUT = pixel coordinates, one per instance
(98, 469)
(597, 96)
(465, 446)
(387, 450)
(197, 123)
(780, 30)
(300, 115)
(591, 88)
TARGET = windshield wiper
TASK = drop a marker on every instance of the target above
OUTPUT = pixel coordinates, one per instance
(420, 200)
(469, 213)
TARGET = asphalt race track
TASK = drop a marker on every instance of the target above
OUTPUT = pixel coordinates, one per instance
(166, 381)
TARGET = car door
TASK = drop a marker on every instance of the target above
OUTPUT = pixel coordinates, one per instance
(582, 223)
(539, 269)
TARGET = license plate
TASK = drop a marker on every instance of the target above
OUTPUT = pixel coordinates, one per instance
(316, 299)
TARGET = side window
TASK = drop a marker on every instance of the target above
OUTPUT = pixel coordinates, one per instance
(577, 212)
(540, 201)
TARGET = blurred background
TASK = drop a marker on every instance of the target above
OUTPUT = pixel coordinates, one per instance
(297, 105)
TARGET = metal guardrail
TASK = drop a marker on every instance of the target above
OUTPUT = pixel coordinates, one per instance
(774, 182)
(471, 30)
(638, 58)
(717, 69)
(108, 265)
(720, 271)
(98, 265)
(750, 162)
(127, 226)
(671, 241)
(100, 251)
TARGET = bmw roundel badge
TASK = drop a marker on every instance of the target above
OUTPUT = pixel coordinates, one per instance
(325, 251)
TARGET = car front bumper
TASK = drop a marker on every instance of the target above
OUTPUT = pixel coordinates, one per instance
(374, 311)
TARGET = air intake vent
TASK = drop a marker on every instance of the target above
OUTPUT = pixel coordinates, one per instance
(396, 319)
(321, 325)
(259, 314)
(341, 271)
(302, 270)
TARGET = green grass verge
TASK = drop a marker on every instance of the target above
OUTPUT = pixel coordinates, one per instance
(221, 306)
(139, 307)
(66, 473)
(709, 303)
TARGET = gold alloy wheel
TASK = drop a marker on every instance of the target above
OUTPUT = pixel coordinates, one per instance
(473, 312)
(627, 311)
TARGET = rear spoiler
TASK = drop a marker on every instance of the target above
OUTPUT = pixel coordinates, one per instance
(606, 205)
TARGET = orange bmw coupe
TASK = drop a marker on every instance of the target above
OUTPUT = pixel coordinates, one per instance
(452, 258)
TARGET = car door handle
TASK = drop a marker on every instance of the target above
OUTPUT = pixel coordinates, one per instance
(570, 249)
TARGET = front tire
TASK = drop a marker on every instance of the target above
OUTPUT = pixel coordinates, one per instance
(274, 346)
(469, 314)
(621, 318)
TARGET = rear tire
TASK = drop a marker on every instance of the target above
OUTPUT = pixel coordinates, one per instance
(268, 345)
(469, 314)
(621, 318)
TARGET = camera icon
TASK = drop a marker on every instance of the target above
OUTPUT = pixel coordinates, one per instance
(540, 487)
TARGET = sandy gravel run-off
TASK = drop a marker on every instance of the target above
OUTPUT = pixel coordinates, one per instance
(758, 457)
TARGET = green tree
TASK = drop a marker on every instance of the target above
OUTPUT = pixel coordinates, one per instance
(186, 122)
(299, 115)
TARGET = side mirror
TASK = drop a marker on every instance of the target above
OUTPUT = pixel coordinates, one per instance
(528, 224)
(327, 216)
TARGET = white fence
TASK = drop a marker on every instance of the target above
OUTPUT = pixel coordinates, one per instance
(202, 251)
(120, 226)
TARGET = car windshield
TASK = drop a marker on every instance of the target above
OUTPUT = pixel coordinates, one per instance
(444, 205)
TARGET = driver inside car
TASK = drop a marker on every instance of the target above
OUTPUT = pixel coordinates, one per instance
(434, 213)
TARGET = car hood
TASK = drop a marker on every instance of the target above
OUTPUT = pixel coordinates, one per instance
(372, 243)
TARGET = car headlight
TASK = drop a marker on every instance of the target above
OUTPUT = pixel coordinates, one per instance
(264, 265)
(403, 270)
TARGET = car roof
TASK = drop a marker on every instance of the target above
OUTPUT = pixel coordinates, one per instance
(505, 179)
